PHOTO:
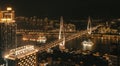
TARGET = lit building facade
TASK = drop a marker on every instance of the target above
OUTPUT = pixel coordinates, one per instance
(30, 60)
(7, 15)
(23, 56)
(7, 31)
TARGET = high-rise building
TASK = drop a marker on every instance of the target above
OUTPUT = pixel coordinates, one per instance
(7, 31)
(13, 55)
(23, 56)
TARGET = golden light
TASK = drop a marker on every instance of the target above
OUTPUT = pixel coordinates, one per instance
(6, 56)
(29, 60)
(6, 19)
(9, 8)
(24, 38)
(87, 45)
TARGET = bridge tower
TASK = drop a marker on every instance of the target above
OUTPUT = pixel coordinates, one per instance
(61, 35)
(89, 26)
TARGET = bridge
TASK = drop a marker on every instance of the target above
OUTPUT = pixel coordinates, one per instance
(68, 38)
(61, 37)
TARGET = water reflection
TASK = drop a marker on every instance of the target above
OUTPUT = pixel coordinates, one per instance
(101, 44)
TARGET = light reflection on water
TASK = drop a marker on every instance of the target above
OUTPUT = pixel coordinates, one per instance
(100, 44)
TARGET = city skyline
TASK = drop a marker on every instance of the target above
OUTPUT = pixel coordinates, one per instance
(68, 9)
(35, 42)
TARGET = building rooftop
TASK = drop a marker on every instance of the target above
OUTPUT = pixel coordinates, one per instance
(21, 52)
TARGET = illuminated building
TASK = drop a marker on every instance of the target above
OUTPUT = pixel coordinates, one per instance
(7, 30)
(38, 38)
(24, 56)
(7, 15)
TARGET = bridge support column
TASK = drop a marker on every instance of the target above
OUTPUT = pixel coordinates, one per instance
(62, 35)
(89, 26)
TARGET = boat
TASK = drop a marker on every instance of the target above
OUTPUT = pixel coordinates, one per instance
(42, 39)
(87, 45)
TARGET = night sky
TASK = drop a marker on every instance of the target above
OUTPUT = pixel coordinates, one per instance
(66, 8)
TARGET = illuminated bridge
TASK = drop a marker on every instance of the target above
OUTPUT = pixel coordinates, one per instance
(57, 42)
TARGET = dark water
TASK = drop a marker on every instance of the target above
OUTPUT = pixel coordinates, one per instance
(101, 44)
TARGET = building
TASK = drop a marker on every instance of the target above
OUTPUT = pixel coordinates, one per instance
(7, 31)
(23, 56)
